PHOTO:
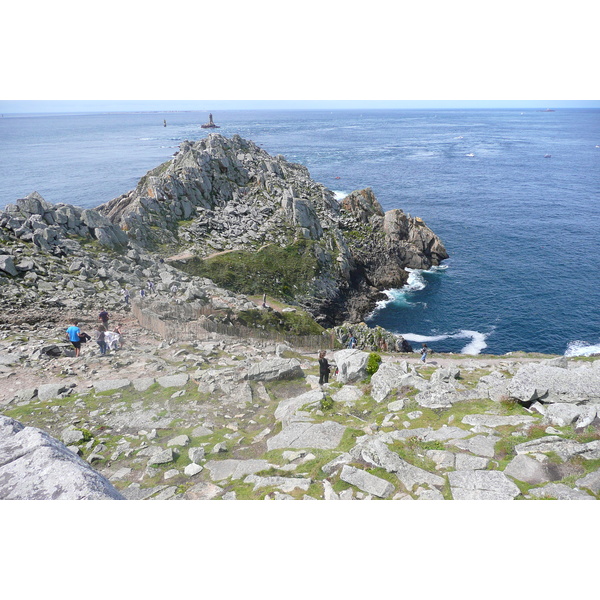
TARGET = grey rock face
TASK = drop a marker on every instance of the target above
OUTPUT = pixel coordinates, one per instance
(178, 380)
(234, 469)
(566, 449)
(352, 365)
(276, 368)
(591, 481)
(326, 436)
(385, 380)
(374, 451)
(111, 384)
(35, 466)
(7, 265)
(366, 482)
(481, 485)
(482, 445)
(555, 384)
(49, 391)
(560, 492)
(527, 469)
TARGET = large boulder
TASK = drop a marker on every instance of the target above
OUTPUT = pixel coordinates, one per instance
(548, 383)
(35, 466)
(275, 368)
(351, 364)
(387, 378)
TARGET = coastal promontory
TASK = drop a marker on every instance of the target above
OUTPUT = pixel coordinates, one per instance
(224, 208)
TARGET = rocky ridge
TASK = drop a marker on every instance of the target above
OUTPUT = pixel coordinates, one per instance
(223, 194)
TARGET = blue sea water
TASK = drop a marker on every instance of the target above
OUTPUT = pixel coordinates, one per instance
(522, 229)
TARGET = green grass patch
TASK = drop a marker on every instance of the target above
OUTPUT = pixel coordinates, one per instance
(280, 272)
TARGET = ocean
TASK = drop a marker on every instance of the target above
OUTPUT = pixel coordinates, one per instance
(513, 194)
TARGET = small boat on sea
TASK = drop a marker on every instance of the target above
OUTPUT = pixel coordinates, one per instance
(470, 154)
(547, 155)
(210, 124)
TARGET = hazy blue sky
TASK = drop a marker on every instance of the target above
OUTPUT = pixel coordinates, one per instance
(56, 106)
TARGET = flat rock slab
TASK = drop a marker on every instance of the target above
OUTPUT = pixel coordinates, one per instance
(35, 466)
(348, 395)
(285, 484)
(235, 469)
(374, 451)
(136, 492)
(288, 408)
(527, 469)
(138, 419)
(178, 380)
(566, 449)
(482, 445)
(49, 391)
(143, 383)
(326, 436)
(497, 420)
(481, 485)
(560, 491)
(109, 385)
(591, 481)
(467, 462)
(203, 491)
(366, 482)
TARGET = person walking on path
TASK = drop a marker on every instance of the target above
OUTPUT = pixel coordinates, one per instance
(323, 368)
(100, 338)
(73, 335)
(103, 316)
(142, 293)
(424, 351)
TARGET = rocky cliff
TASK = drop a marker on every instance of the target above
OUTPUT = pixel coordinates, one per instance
(220, 195)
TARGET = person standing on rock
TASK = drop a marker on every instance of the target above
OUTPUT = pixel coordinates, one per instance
(151, 287)
(100, 338)
(142, 293)
(424, 352)
(73, 335)
(103, 316)
(125, 293)
(323, 368)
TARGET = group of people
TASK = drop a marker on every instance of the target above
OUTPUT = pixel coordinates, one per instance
(151, 289)
(106, 338)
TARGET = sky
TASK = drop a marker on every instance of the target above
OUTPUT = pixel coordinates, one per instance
(190, 55)
(76, 106)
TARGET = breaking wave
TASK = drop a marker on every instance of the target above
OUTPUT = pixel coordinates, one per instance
(415, 283)
(475, 346)
(581, 348)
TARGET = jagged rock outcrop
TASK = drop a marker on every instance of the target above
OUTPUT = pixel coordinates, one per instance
(221, 194)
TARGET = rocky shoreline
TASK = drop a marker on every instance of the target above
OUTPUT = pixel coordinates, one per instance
(215, 415)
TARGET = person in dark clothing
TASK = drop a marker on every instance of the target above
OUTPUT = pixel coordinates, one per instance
(323, 368)
(103, 316)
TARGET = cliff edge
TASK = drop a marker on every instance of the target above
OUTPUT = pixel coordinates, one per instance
(226, 196)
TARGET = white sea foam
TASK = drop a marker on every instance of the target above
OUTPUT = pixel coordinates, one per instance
(339, 195)
(581, 348)
(475, 346)
(415, 281)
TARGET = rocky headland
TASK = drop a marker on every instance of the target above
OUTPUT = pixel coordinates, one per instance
(212, 394)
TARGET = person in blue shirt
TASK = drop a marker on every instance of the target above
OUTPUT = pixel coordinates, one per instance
(73, 335)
